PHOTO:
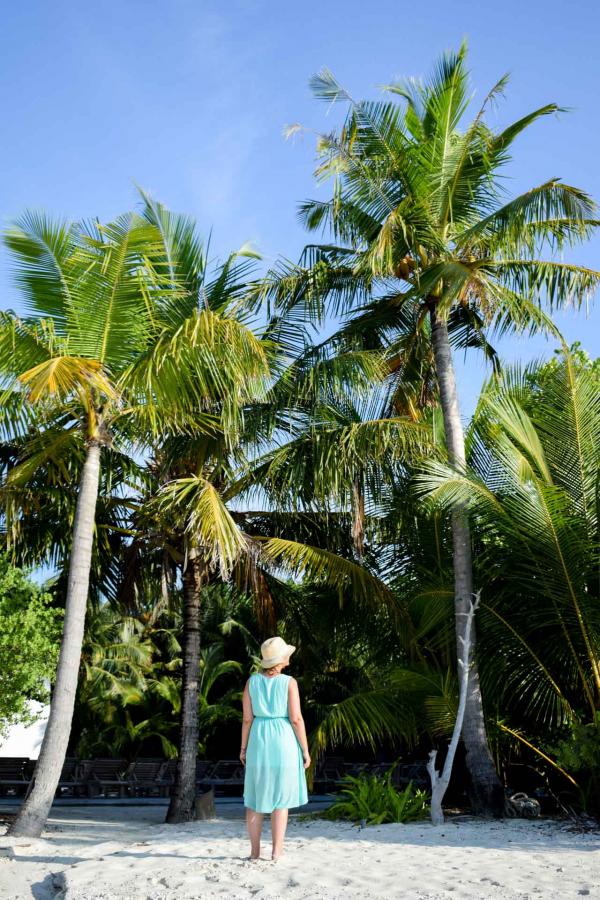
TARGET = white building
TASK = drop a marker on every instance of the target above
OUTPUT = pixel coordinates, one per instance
(25, 740)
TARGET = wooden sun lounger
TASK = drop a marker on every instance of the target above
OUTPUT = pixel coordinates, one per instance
(329, 771)
(226, 773)
(332, 768)
(144, 778)
(403, 773)
(108, 778)
(354, 768)
(204, 768)
(168, 775)
(14, 776)
(381, 768)
(72, 782)
(407, 772)
(226, 770)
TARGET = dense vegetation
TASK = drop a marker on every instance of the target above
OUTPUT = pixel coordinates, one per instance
(202, 470)
(29, 634)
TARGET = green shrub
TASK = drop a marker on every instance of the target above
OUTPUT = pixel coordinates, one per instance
(580, 755)
(581, 750)
(373, 799)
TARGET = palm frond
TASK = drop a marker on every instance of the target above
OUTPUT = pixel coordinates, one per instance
(365, 719)
(303, 560)
(197, 504)
(45, 268)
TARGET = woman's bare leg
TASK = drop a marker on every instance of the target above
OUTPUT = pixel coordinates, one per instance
(254, 821)
(279, 820)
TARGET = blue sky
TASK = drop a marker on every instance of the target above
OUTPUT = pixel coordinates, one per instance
(189, 99)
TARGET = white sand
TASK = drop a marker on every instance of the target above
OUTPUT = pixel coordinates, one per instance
(115, 852)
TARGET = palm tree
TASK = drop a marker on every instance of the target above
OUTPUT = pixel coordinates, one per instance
(427, 253)
(111, 348)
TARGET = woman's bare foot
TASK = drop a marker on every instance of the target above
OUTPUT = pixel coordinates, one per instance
(276, 855)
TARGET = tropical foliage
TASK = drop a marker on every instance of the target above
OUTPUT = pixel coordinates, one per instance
(29, 629)
(532, 489)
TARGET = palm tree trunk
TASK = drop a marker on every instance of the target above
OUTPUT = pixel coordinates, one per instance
(34, 812)
(182, 805)
(486, 791)
(358, 518)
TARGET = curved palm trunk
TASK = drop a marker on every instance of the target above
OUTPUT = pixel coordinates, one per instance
(181, 807)
(34, 812)
(486, 791)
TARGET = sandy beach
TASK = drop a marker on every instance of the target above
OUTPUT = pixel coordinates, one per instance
(98, 853)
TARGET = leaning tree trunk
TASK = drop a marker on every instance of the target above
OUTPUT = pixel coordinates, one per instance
(182, 805)
(441, 780)
(34, 812)
(486, 791)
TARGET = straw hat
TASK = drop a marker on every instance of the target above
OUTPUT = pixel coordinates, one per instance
(274, 650)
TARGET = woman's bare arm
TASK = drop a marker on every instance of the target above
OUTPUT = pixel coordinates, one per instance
(247, 718)
(295, 716)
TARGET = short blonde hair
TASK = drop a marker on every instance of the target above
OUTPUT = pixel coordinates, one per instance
(271, 669)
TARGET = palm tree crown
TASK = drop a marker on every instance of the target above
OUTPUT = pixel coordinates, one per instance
(420, 216)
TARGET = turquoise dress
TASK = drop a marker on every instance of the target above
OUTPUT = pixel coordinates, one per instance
(274, 776)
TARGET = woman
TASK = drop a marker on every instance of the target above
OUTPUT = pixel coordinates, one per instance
(274, 747)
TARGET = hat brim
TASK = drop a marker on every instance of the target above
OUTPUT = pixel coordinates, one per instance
(275, 660)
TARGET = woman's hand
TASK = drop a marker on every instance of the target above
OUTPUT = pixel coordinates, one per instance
(307, 760)
(243, 757)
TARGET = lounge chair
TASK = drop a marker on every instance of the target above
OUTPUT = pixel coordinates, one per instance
(227, 773)
(415, 772)
(144, 778)
(329, 771)
(72, 782)
(354, 768)
(108, 778)
(168, 773)
(14, 776)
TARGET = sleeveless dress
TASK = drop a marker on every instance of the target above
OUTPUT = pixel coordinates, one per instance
(274, 776)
